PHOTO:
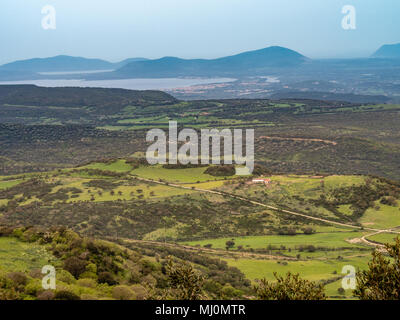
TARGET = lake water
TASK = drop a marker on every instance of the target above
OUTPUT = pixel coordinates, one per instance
(133, 84)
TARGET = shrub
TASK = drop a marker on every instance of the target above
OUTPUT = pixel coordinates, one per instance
(185, 282)
(65, 276)
(36, 274)
(382, 279)
(139, 291)
(33, 288)
(341, 291)
(308, 231)
(66, 295)
(75, 266)
(290, 288)
(46, 295)
(229, 292)
(107, 277)
(88, 297)
(123, 293)
(88, 283)
(229, 244)
(18, 278)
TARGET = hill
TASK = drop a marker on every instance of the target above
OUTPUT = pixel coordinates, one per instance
(244, 63)
(329, 96)
(390, 51)
(31, 68)
(110, 99)
(58, 64)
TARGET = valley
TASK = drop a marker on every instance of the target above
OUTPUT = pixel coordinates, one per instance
(72, 166)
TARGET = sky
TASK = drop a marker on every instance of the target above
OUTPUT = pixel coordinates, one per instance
(117, 29)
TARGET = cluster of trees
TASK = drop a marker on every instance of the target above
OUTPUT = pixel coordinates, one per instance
(360, 197)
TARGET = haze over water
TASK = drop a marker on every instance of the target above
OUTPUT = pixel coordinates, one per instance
(131, 84)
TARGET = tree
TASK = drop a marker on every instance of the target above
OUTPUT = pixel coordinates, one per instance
(290, 288)
(184, 281)
(308, 231)
(382, 279)
(229, 244)
(75, 266)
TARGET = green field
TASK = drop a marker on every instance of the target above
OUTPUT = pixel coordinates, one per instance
(9, 183)
(383, 238)
(312, 270)
(191, 175)
(385, 217)
(328, 240)
(21, 256)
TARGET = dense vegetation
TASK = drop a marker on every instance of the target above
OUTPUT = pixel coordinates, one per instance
(96, 269)
(116, 227)
(292, 136)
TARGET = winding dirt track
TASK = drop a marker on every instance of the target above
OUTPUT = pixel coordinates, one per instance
(346, 225)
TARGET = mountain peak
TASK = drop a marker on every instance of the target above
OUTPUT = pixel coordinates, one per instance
(389, 51)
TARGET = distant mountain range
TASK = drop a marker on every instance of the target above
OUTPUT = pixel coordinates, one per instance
(64, 63)
(388, 51)
(272, 60)
(244, 63)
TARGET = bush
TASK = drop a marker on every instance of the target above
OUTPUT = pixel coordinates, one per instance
(66, 295)
(36, 274)
(88, 283)
(309, 231)
(65, 276)
(88, 297)
(75, 266)
(382, 280)
(341, 291)
(184, 281)
(18, 278)
(290, 288)
(229, 244)
(107, 277)
(228, 292)
(123, 293)
(46, 295)
(139, 291)
(33, 288)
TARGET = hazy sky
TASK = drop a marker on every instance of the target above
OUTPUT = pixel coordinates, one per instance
(118, 29)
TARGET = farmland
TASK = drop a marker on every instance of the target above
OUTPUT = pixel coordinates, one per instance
(132, 200)
(332, 194)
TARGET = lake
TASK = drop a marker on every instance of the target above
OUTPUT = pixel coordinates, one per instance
(132, 84)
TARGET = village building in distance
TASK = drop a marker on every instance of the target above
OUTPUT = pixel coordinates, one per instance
(264, 181)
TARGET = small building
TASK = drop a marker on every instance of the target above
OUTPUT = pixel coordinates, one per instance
(264, 181)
